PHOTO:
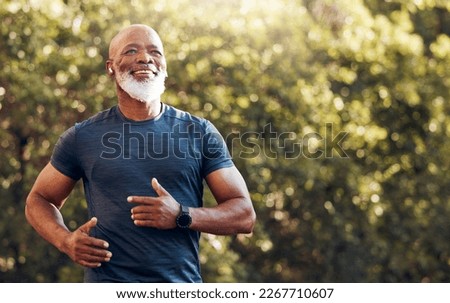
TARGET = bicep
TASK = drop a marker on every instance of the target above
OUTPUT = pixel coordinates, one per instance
(226, 184)
(53, 186)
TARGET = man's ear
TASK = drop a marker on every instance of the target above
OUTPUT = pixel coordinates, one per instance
(109, 68)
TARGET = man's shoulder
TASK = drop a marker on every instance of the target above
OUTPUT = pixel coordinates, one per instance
(102, 116)
(182, 115)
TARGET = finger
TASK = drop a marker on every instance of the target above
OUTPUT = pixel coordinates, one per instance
(89, 264)
(92, 263)
(144, 208)
(161, 191)
(94, 242)
(142, 200)
(86, 227)
(95, 255)
(93, 258)
(142, 216)
(145, 223)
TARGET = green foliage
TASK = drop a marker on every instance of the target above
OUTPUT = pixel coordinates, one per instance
(341, 108)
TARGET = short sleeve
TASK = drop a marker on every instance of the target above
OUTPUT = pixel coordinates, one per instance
(64, 157)
(215, 151)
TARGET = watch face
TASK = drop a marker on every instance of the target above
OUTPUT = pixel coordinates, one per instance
(184, 220)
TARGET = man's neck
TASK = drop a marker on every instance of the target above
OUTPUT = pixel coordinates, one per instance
(139, 111)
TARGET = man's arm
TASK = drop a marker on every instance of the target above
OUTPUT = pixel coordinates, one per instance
(47, 196)
(234, 213)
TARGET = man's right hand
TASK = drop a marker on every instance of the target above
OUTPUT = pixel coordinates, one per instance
(84, 249)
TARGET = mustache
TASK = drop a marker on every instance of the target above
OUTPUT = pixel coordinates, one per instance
(149, 68)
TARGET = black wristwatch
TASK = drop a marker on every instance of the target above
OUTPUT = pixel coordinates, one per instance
(184, 219)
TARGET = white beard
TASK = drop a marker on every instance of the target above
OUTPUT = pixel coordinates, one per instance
(146, 91)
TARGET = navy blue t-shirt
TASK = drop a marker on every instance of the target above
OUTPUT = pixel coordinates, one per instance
(117, 158)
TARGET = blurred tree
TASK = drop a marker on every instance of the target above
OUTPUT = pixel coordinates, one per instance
(336, 112)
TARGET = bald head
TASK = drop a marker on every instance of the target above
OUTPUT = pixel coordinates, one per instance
(134, 31)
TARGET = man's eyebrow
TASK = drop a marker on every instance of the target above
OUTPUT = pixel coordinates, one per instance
(130, 45)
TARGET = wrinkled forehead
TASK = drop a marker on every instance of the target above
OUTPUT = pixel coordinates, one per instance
(134, 34)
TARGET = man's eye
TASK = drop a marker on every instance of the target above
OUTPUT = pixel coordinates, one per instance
(157, 53)
(131, 51)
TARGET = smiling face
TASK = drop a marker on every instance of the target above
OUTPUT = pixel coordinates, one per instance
(136, 59)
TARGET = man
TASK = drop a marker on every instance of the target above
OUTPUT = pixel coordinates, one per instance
(140, 230)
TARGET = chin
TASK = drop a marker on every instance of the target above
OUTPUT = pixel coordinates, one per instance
(145, 90)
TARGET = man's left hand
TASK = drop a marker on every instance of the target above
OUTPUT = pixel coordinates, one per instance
(158, 212)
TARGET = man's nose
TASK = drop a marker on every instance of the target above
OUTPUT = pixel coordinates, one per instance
(145, 58)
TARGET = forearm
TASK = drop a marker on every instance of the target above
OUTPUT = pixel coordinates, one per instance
(46, 219)
(227, 218)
